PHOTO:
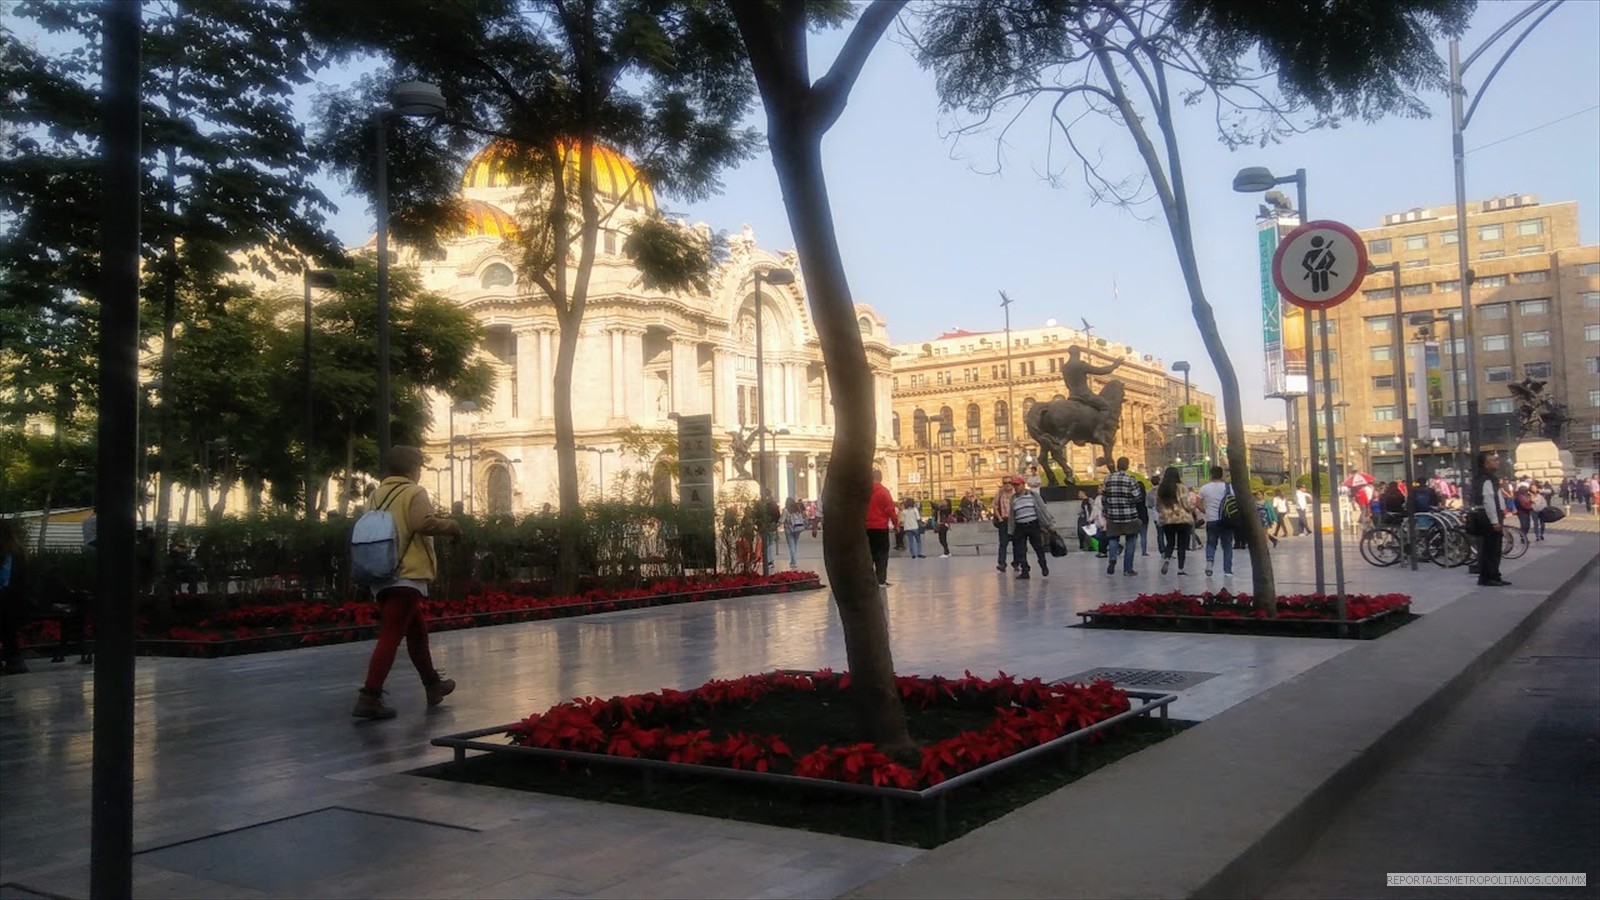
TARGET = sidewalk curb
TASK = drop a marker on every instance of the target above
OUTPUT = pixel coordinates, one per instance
(1217, 809)
(1253, 870)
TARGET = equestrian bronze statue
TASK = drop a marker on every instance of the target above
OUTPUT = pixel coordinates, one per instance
(1083, 417)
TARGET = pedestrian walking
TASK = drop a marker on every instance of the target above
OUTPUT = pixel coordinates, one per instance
(1000, 515)
(1488, 497)
(1265, 515)
(911, 522)
(1280, 512)
(794, 524)
(400, 600)
(1176, 513)
(1218, 528)
(1122, 502)
(1029, 520)
(881, 517)
(1302, 503)
(945, 518)
(1146, 514)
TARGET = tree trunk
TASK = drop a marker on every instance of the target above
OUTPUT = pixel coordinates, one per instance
(1169, 184)
(571, 513)
(846, 555)
(349, 467)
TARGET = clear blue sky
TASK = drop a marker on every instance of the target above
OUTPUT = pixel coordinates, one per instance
(929, 242)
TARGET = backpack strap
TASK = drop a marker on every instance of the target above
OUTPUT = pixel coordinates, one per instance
(410, 533)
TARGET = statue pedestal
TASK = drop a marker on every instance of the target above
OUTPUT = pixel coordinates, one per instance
(1542, 461)
(1058, 493)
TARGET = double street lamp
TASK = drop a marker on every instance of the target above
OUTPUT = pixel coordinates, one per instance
(774, 277)
(1424, 322)
(460, 406)
(600, 454)
(410, 99)
(1182, 365)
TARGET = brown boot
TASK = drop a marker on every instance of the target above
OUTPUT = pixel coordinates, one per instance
(439, 690)
(369, 706)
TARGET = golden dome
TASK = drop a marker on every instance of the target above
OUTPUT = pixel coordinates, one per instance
(480, 219)
(494, 167)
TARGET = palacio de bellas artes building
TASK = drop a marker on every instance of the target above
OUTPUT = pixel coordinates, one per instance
(643, 356)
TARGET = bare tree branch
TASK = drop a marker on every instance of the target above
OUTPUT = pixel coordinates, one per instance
(832, 90)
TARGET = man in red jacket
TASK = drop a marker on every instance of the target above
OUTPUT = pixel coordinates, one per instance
(881, 517)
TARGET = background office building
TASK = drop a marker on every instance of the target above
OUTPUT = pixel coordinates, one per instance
(1536, 314)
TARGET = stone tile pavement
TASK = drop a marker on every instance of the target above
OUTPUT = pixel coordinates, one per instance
(235, 743)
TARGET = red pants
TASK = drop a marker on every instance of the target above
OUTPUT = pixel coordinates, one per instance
(400, 616)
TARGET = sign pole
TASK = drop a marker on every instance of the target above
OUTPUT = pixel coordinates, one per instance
(1318, 266)
(1333, 491)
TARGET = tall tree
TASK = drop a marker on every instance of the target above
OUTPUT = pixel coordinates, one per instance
(660, 81)
(799, 112)
(226, 173)
(1267, 72)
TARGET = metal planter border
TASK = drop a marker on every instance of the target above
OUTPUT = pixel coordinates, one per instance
(1334, 628)
(288, 640)
(888, 797)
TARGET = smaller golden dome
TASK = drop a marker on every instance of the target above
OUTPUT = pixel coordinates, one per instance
(485, 219)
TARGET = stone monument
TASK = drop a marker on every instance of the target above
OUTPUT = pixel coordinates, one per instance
(1540, 421)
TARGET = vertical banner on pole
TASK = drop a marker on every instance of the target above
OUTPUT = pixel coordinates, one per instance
(697, 492)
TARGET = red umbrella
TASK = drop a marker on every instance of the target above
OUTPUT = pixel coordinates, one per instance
(1358, 479)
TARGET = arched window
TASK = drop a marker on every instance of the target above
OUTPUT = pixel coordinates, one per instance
(865, 324)
(1002, 421)
(974, 424)
(1058, 397)
(1027, 404)
(498, 275)
(499, 491)
(947, 427)
(919, 428)
(894, 426)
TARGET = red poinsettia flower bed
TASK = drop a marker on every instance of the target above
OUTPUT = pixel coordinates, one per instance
(1226, 605)
(276, 615)
(489, 608)
(664, 724)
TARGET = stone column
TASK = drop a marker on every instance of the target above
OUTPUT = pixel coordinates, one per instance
(813, 479)
(685, 375)
(547, 374)
(529, 390)
(635, 401)
(618, 386)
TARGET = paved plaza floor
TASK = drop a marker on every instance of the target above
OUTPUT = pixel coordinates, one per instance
(261, 748)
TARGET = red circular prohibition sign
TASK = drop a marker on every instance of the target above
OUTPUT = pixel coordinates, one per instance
(1294, 295)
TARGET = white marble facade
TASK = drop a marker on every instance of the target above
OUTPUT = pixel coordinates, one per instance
(642, 355)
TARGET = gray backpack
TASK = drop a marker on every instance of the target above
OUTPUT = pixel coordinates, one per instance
(373, 542)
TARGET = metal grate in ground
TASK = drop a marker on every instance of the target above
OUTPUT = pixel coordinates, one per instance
(1162, 679)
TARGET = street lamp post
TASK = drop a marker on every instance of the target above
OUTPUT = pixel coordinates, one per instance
(471, 440)
(412, 99)
(314, 278)
(1256, 179)
(461, 406)
(1401, 395)
(1460, 117)
(1011, 401)
(773, 277)
(600, 455)
(1424, 320)
(1182, 365)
